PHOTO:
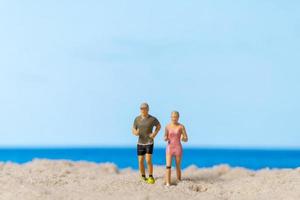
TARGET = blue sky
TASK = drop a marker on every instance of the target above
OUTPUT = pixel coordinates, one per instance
(73, 73)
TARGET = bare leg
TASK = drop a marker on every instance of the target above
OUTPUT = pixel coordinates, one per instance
(149, 163)
(168, 168)
(178, 167)
(141, 165)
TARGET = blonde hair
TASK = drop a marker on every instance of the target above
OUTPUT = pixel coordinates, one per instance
(175, 112)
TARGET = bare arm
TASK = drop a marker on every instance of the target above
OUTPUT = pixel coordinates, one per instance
(135, 131)
(157, 128)
(184, 136)
(166, 134)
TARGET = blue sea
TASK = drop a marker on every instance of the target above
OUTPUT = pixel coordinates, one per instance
(126, 157)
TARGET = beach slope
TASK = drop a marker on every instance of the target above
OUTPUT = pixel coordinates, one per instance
(45, 179)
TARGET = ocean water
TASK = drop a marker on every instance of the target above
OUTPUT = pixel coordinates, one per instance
(126, 157)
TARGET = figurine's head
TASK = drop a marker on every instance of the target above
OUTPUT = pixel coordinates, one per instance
(144, 109)
(175, 117)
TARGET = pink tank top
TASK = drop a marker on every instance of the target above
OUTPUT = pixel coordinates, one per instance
(174, 145)
(174, 135)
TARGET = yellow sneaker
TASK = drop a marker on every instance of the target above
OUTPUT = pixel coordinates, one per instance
(143, 178)
(151, 180)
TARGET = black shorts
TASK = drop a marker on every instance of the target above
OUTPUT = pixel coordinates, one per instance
(144, 149)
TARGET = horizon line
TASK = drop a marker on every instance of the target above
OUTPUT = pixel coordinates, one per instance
(228, 147)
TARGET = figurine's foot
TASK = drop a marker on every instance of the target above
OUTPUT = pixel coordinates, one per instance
(143, 178)
(151, 180)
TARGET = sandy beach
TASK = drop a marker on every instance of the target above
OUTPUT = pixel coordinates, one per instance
(45, 179)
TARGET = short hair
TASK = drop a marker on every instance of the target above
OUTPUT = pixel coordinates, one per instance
(175, 112)
(144, 105)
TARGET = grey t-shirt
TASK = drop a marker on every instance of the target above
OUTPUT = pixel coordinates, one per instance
(145, 126)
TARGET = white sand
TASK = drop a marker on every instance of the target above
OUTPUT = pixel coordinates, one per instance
(44, 179)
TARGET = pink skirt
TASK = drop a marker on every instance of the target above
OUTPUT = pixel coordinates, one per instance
(174, 149)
